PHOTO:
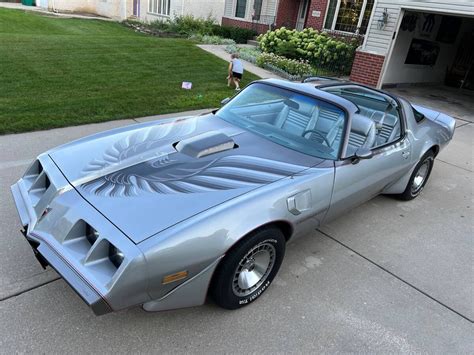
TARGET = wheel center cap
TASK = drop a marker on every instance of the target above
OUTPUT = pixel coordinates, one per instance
(249, 265)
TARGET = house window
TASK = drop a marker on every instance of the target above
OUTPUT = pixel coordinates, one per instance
(257, 9)
(349, 15)
(240, 8)
(160, 7)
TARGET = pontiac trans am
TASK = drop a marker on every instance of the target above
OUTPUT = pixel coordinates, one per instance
(162, 214)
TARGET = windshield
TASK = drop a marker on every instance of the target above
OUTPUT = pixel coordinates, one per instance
(290, 119)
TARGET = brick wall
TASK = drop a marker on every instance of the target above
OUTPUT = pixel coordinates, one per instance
(260, 28)
(367, 68)
(316, 22)
(287, 13)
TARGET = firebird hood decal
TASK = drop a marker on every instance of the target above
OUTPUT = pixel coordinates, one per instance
(137, 179)
(140, 163)
(166, 175)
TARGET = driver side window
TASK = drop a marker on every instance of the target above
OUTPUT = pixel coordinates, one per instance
(388, 126)
(378, 121)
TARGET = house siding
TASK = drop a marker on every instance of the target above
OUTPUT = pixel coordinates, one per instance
(379, 41)
(122, 9)
(196, 8)
(269, 9)
(229, 8)
(204, 8)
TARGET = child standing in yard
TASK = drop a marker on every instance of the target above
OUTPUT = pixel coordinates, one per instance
(236, 69)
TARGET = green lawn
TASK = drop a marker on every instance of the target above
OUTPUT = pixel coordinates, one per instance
(61, 72)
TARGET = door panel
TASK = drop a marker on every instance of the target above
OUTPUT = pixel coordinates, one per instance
(309, 197)
(356, 183)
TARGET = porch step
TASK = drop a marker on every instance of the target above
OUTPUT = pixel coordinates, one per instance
(252, 42)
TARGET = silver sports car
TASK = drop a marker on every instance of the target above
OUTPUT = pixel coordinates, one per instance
(162, 214)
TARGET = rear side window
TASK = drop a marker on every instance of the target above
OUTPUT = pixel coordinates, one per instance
(418, 115)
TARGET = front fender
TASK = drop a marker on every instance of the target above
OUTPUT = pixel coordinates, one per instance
(198, 242)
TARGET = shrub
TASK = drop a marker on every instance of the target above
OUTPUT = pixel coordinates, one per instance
(287, 49)
(290, 66)
(248, 54)
(160, 26)
(319, 48)
(239, 35)
(188, 25)
(184, 25)
(211, 39)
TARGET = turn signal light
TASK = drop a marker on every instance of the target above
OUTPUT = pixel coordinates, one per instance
(174, 277)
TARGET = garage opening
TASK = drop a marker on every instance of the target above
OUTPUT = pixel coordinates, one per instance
(432, 49)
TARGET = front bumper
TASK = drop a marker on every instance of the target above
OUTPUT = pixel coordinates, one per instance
(48, 256)
(52, 218)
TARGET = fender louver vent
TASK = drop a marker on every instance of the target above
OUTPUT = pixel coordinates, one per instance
(92, 249)
(37, 182)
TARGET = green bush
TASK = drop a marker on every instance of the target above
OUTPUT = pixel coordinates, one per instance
(248, 54)
(239, 35)
(211, 39)
(160, 26)
(184, 25)
(188, 25)
(290, 66)
(318, 48)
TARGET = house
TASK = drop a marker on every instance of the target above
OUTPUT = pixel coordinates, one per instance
(405, 41)
(145, 10)
(345, 16)
(418, 42)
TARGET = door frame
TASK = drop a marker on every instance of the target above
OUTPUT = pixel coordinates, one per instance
(302, 10)
(136, 8)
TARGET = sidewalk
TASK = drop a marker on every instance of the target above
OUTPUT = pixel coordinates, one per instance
(219, 51)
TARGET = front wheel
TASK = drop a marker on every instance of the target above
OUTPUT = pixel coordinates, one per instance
(249, 268)
(419, 177)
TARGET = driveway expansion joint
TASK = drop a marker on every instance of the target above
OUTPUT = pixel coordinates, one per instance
(454, 165)
(28, 289)
(396, 276)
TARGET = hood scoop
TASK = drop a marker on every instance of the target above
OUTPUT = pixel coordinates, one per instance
(205, 144)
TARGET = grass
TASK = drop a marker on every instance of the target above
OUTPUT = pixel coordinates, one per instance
(62, 72)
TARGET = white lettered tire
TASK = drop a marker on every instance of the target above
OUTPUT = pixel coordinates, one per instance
(248, 269)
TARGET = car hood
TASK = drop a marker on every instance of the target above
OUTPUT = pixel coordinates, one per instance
(140, 180)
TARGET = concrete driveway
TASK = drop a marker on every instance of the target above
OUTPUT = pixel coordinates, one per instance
(389, 276)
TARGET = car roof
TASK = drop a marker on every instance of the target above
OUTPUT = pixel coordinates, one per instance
(311, 89)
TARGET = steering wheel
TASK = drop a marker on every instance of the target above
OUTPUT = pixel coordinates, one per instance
(318, 134)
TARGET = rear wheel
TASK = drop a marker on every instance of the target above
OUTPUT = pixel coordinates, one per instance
(249, 268)
(419, 177)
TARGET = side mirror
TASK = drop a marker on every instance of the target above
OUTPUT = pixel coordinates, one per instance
(362, 153)
(226, 100)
